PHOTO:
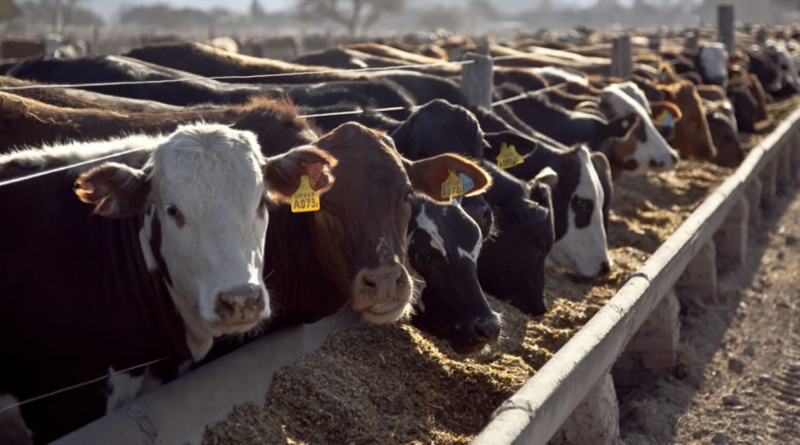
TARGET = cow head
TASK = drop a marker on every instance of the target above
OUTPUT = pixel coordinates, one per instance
(692, 137)
(373, 193)
(726, 139)
(203, 196)
(787, 68)
(646, 150)
(443, 248)
(440, 127)
(512, 262)
(712, 63)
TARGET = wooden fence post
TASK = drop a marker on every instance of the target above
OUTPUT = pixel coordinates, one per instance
(654, 43)
(725, 25)
(692, 41)
(476, 80)
(621, 57)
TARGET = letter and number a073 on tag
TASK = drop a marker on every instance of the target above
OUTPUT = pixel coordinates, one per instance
(306, 199)
(508, 156)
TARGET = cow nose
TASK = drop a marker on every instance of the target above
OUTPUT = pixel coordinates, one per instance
(605, 268)
(243, 303)
(487, 329)
(385, 279)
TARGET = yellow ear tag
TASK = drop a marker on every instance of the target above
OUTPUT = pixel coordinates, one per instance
(452, 186)
(665, 119)
(305, 199)
(508, 156)
(735, 79)
(625, 125)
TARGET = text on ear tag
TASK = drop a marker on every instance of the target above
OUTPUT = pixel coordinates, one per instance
(665, 119)
(305, 199)
(314, 175)
(467, 182)
(452, 186)
(508, 156)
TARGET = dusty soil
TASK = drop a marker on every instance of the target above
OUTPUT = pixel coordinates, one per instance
(395, 384)
(744, 354)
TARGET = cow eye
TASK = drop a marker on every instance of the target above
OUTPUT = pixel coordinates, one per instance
(262, 207)
(176, 215)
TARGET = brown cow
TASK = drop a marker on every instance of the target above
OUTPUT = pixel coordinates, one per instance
(391, 53)
(692, 136)
(21, 48)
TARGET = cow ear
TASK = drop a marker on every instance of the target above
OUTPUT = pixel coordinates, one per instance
(428, 175)
(115, 190)
(607, 109)
(546, 176)
(282, 173)
(660, 107)
(622, 128)
(523, 144)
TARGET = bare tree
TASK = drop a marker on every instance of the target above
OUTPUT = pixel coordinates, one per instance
(356, 15)
(8, 10)
(59, 12)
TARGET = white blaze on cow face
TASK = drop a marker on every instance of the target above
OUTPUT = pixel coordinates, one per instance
(124, 387)
(584, 248)
(205, 230)
(424, 222)
(652, 152)
(785, 62)
(714, 62)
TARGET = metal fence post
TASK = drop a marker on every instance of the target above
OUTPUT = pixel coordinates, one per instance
(477, 80)
(725, 17)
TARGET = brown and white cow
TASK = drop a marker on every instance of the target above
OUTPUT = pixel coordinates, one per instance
(167, 255)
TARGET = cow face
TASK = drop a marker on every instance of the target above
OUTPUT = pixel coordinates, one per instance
(374, 189)
(439, 127)
(443, 248)
(512, 262)
(203, 195)
(692, 137)
(726, 139)
(785, 62)
(580, 226)
(713, 63)
(647, 150)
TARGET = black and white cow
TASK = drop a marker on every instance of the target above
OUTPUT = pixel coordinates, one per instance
(444, 244)
(167, 256)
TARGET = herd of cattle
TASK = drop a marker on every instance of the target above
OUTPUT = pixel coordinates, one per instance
(137, 204)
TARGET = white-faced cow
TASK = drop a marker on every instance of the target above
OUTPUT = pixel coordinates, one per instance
(167, 255)
(647, 150)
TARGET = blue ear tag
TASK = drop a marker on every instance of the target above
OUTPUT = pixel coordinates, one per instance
(467, 181)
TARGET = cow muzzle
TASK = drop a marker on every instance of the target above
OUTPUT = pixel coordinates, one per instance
(382, 294)
(239, 309)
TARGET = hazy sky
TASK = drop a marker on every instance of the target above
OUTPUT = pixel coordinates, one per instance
(108, 7)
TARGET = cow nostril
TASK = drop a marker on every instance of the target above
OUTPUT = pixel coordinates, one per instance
(656, 164)
(605, 268)
(369, 282)
(488, 329)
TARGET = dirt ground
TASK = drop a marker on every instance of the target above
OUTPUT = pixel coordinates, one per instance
(742, 355)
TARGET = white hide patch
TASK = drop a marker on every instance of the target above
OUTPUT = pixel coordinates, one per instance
(714, 60)
(655, 149)
(584, 250)
(473, 255)
(424, 222)
(12, 426)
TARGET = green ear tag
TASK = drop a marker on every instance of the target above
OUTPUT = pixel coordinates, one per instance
(452, 186)
(665, 119)
(508, 156)
(305, 199)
